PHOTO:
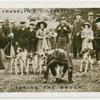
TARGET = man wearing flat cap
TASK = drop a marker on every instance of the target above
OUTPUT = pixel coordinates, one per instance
(63, 30)
(32, 20)
(21, 37)
(76, 35)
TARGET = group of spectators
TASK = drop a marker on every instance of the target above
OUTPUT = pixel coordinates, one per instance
(81, 35)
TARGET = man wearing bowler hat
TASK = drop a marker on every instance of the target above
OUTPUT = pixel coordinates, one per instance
(76, 35)
(32, 40)
(21, 37)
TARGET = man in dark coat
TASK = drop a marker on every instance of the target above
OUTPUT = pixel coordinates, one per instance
(76, 35)
(10, 32)
(22, 36)
(2, 44)
(97, 39)
(2, 34)
(59, 57)
(32, 40)
(63, 30)
(91, 20)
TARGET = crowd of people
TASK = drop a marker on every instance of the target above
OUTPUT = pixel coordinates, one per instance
(85, 35)
(81, 35)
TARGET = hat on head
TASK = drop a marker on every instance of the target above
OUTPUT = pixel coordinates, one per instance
(62, 18)
(84, 51)
(98, 15)
(32, 20)
(22, 22)
(1, 21)
(19, 48)
(86, 23)
(32, 24)
(98, 20)
(42, 22)
(11, 21)
(77, 14)
(90, 14)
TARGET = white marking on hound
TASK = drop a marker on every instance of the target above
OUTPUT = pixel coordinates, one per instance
(86, 60)
(31, 62)
(19, 61)
(42, 59)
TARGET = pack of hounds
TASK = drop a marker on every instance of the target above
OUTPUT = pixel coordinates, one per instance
(88, 60)
(24, 62)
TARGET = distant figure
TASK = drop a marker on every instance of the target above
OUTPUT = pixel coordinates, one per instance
(10, 32)
(32, 40)
(43, 37)
(2, 35)
(97, 39)
(2, 45)
(87, 37)
(21, 36)
(76, 35)
(91, 20)
(63, 31)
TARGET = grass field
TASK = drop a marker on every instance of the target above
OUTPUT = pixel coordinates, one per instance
(83, 82)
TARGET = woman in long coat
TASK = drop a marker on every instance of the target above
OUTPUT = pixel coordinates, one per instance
(43, 37)
(87, 37)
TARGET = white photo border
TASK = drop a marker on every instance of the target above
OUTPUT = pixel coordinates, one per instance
(50, 4)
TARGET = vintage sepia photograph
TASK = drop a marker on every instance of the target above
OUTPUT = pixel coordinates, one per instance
(49, 49)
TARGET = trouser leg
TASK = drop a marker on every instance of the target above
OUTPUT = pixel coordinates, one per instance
(70, 74)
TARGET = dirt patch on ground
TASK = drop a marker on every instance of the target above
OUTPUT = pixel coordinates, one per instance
(83, 82)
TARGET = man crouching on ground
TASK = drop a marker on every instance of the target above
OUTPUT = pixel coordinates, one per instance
(58, 58)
